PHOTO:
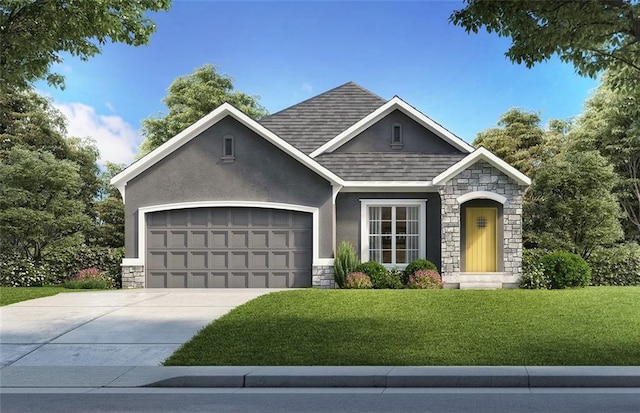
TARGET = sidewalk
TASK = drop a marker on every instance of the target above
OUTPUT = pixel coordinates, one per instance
(292, 376)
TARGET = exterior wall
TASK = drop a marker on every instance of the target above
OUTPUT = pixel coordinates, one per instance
(482, 177)
(133, 276)
(323, 276)
(348, 218)
(261, 172)
(415, 138)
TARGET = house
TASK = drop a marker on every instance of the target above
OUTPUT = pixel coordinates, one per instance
(235, 202)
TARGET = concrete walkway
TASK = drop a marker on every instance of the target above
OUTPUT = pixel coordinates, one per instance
(110, 328)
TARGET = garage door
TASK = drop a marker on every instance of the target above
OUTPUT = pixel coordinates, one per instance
(229, 248)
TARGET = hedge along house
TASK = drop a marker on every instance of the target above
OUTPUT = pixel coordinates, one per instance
(235, 202)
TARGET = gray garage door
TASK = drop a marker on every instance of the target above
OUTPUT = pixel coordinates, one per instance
(229, 248)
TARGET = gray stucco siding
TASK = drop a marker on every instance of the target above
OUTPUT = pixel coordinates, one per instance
(415, 138)
(261, 172)
(348, 218)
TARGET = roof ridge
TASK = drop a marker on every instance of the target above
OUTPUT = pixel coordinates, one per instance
(351, 82)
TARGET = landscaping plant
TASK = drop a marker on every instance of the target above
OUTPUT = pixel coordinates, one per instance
(90, 279)
(426, 280)
(619, 265)
(376, 272)
(346, 261)
(358, 281)
(415, 266)
(564, 269)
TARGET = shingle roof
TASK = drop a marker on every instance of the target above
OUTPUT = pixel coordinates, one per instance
(310, 124)
(388, 166)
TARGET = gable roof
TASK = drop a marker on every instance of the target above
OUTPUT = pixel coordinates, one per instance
(312, 123)
(388, 166)
(482, 154)
(394, 104)
(226, 109)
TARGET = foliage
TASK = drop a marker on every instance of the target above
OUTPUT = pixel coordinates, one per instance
(38, 202)
(394, 279)
(619, 265)
(425, 279)
(416, 265)
(12, 295)
(564, 269)
(19, 271)
(64, 262)
(376, 272)
(345, 262)
(611, 125)
(572, 206)
(34, 34)
(358, 280)
(595, 326)
(593, 35)
(190, 98)
(520, 141)
(90, 279)
(533, 277)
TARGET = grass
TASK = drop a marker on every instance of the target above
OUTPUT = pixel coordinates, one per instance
(11, 295)
(591, 326)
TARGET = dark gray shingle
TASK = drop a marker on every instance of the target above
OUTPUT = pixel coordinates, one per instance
(310, 124)
(388, 166)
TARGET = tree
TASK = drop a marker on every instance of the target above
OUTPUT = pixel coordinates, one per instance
(521, 141)
(190, 98)
(33, 33)
(611, 125)
(39, 202)
(593, 35)
(109, 225)
(573, 207)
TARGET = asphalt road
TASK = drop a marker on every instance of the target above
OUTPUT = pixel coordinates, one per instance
(325, 400)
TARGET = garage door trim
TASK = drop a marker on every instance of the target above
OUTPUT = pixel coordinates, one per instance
(142, 221)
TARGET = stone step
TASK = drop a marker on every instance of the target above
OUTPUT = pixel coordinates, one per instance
(480, 285)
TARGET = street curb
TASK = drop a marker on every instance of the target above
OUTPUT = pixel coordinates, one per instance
(320, 377)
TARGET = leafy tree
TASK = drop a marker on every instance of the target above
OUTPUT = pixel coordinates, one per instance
(611, 125)
(39, 202)
(190, 98)
(573, 207)
(109, 225)
(520, 141)
(593, 35)
(33, 33)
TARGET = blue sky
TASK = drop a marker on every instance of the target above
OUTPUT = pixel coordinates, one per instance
(286, 52)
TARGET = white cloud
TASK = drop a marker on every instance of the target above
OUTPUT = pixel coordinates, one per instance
(306, 87)
(116, 139)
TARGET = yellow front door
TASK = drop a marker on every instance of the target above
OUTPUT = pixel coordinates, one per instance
(481, 240)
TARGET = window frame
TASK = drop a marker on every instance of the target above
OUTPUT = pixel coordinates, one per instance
(399, 143)
(365, 204)
(228, 142)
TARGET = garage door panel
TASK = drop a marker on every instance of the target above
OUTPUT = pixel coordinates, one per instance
(229, 248)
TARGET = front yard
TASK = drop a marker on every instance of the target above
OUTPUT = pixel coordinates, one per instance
(11, 295)
(591, 326)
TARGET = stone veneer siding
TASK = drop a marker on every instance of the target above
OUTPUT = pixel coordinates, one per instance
(482, 177)
(133, 276)
(322, 276)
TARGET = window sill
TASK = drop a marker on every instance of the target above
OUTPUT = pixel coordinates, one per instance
(228, 159)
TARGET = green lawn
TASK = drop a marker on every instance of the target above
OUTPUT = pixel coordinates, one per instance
(592, 326)
(10, 295)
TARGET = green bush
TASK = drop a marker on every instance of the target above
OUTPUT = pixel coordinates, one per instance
(377, 273)
(345, 262)
(533, 271)
(426, 280)
(619, 265)
(416, 266)
(90, 279)
(358, 280)
(564, 269)
(66, 262)
(17, 271)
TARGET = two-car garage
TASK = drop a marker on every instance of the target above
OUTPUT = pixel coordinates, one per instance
(228, 247)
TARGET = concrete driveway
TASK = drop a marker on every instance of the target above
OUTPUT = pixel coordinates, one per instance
(110, 328)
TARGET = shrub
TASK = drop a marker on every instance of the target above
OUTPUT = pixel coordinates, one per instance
(533, 271)
(376, 272)
(90, 278)
(425, 279)
(346, 261)
(358, 280)
(415, 266)
(17, 271)
(394, 279)
(619, 265)
(66, 262)
(564, 269)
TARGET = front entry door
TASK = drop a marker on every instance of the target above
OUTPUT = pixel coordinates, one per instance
(481, 239)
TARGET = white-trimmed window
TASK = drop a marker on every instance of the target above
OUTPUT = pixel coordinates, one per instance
(228, 149)
(393, 230)
(396, 136)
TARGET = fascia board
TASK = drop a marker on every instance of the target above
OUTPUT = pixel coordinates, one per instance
(477, 155)
(381, 112)
(200, 126)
